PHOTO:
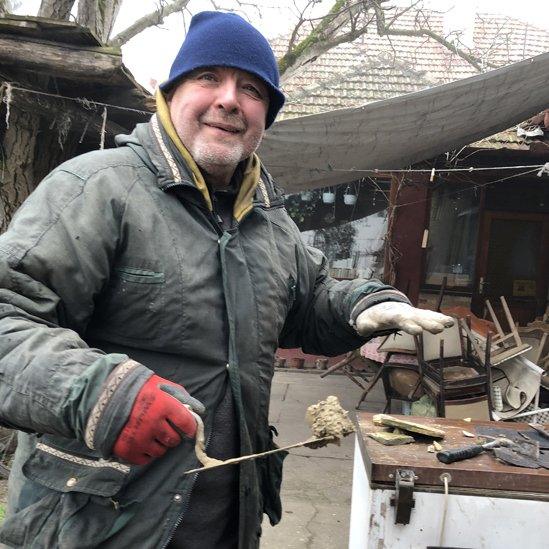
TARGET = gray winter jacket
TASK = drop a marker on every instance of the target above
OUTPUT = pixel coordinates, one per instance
(114, 268)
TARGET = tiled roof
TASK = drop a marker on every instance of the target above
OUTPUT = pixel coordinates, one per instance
(534, 131)
(374, 67)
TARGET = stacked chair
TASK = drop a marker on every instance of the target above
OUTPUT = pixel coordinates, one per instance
(455, 372)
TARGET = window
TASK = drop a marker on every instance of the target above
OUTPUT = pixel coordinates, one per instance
(453, 230)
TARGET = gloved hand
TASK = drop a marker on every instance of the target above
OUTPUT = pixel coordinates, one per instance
(160, 416)
(401, 316)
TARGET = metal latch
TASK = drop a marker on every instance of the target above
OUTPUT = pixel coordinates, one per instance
(403, 500)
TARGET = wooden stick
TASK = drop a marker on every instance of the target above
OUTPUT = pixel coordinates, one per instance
(540, 350)
(473, 340)
(511, 322)
(255, 456)
(495, 320)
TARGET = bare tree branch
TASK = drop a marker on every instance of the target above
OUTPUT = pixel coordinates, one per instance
(149, 20)
(298, 25)
(56, 9)
(324, 35)
(346, 21)
(385, 29)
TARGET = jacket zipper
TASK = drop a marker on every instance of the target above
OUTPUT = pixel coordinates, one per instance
(217, 227)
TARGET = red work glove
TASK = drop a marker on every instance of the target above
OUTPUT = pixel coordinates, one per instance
(159, 418)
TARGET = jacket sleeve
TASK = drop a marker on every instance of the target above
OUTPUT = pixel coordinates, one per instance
(54, 261)
(321, 320)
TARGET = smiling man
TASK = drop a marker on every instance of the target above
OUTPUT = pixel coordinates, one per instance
(136, 277)
(219, 138)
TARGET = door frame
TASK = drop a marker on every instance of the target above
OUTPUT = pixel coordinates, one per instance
(481, 263)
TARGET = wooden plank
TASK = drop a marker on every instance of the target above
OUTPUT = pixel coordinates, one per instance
(506, 354)
(510, 321)
(43, 28)
(391, 439)
(481, 472)
(407, 425)
(87, 64)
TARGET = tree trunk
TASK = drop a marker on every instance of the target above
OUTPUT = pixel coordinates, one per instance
(18, 179)
(56, 9)
(99, 16)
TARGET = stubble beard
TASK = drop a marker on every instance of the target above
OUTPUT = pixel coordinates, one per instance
(214, 157)
(218, 157)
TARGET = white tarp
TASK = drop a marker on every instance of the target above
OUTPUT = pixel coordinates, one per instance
(326, 149)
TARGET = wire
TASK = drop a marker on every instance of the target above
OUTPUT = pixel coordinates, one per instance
(379, 171)
(471, 188)
(445, 170)
(83, 101)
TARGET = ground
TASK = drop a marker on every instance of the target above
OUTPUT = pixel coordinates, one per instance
(316, 490)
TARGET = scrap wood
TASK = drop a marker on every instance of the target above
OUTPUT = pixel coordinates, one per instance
(391, 439)
(408, 426)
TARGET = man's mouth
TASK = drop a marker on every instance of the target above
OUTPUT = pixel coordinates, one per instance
(229, 128)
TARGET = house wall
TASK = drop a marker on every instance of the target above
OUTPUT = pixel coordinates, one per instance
(408, 219)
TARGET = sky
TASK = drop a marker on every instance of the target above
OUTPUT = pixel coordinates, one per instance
(149, 55)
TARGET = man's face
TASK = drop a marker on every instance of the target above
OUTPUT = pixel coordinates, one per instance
(219, 114)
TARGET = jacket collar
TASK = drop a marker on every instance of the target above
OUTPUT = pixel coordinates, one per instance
(184, 170)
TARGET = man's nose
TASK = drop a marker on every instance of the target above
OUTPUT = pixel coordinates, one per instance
(227, 97)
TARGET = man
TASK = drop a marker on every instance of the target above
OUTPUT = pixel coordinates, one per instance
(167, 263)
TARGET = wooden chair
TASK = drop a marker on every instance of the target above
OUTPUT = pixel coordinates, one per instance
(452, 371)
(505, 345)
(396, 346)
(389, 377)
(345, 365)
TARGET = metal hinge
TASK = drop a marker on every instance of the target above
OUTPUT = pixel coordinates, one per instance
(403, 500)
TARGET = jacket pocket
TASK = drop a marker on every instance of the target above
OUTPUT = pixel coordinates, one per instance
(271, 480)
(74, 505)
(140, 276)
(133, 303)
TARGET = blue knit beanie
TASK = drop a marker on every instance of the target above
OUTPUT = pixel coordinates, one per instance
(226, 40)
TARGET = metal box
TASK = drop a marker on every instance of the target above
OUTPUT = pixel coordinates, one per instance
(398, 499)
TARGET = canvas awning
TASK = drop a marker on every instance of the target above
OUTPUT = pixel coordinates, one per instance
(326, 149)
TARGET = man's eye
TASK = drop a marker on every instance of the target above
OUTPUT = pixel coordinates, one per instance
(206, 76)
(252, 89)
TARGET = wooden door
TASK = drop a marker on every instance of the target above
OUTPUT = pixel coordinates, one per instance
(513, 262)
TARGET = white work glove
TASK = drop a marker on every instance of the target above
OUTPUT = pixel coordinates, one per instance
(393, 315)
